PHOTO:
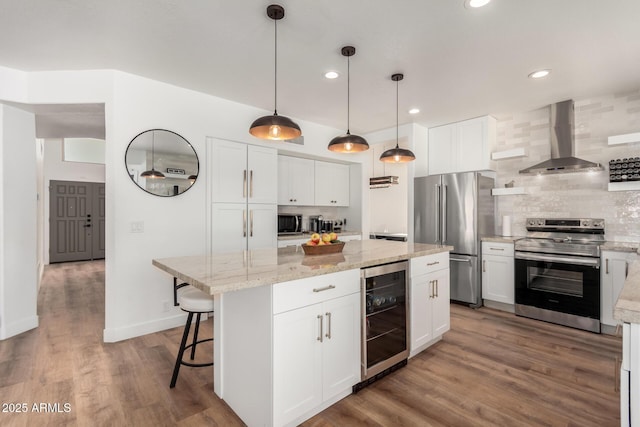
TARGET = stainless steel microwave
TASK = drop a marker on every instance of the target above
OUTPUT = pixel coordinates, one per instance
(289, 223)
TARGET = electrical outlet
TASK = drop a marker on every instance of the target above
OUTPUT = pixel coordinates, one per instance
(166, 305)
(137, 226)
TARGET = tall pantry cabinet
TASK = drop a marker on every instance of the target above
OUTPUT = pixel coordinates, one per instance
(244, 195)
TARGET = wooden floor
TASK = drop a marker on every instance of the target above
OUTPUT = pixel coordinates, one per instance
(491, 369)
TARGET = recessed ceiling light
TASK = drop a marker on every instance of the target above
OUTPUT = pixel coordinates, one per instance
(414, 111)
(331, 75)
(476, 3)
(539, 74)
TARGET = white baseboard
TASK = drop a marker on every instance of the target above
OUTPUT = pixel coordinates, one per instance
(144, 328)
(16, 328)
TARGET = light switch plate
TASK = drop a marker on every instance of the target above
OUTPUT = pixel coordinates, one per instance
(137, 227)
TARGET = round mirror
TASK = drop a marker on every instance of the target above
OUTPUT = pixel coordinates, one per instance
(161, 162)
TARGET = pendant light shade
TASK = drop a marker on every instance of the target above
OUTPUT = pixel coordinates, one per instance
(275, 127)
(152, 174)
(348, 143)
(397, 154)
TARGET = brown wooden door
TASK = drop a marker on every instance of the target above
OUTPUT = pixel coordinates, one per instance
(76, 221)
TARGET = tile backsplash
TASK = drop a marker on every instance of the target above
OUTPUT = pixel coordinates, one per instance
(568, 195)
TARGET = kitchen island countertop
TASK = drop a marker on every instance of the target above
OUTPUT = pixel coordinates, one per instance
(227, 272)
(627, 308)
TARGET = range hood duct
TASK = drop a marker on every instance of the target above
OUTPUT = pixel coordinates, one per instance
(562, 145)
(382, 181)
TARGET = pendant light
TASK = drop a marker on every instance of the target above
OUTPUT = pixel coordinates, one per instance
(275, 127)
(152, 174)
(397, 154)
(348, 143)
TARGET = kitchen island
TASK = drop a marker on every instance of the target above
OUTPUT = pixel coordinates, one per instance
(274, 363)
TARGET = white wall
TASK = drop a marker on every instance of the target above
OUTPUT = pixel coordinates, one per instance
(55, 168)
(135, 290)
(18, 224)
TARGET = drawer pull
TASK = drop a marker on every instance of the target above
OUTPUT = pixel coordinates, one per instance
(497, 249)
(433, 263)
(326, 288)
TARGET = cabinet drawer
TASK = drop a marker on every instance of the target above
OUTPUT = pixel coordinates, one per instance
(312, 290)
(427, 264)
(501, 249)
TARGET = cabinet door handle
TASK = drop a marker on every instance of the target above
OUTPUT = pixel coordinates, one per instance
(606, 263)
(496, 249)
(251, 223)
(430, 289)
(244, 183)
(433, 263)
(436, 289)
(326, 288)
(484, 266)
(328, 335)
(251, 183)
(244, 223)
(626, 269)
(319, 338)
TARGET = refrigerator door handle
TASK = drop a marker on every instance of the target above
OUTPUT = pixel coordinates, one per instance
(437, 216)
(444, 214)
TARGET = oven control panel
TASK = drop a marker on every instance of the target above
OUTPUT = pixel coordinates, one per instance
(566, 224)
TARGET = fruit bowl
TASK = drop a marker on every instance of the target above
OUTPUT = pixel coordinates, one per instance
(333, 248)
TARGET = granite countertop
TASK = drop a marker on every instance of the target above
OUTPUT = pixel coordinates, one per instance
(306, 234)
(620, 246)
(627, 308)
(220, 273)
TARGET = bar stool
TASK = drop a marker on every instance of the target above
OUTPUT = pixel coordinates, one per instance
(193, 301)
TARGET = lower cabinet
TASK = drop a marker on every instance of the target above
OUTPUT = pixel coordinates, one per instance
(316, 347)
(498, 282)
(613, 272)
(630, 375)
(316, 355)
(429, 300)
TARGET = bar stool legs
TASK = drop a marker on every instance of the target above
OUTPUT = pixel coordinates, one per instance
(193, 302)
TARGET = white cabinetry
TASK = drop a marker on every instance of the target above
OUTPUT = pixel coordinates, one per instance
(429, 300)
(461, 146)
(630, 375)
(316, 343)
(331, 184)
(295, 181)
(498, 272)
(244, 195)
(613, 272)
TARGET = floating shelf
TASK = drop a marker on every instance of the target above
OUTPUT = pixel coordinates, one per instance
(624, 186)
(175, 175)
(508, 154)
(507, 191)
(624, 139)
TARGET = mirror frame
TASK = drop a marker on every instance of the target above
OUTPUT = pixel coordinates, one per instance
(180, 138)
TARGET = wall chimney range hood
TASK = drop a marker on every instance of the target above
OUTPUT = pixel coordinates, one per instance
(562, 145)
(382, 181)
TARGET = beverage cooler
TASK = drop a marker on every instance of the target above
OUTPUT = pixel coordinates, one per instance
(385, 334)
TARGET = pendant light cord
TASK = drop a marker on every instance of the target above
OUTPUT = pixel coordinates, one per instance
(348, 93)
(153, 148)
(275, 69)
(397, 120)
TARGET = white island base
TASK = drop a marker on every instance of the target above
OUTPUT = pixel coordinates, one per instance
(288, 327)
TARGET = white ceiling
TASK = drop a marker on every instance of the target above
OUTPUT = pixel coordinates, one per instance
(458, 63)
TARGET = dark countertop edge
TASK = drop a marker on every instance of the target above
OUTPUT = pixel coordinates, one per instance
(294, 275)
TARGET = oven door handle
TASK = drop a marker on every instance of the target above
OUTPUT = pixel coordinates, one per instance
(591, 262)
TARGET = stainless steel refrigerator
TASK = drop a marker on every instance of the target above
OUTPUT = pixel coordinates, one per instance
(457, 210)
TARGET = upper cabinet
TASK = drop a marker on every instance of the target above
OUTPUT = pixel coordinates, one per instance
(461, 146)
(331, 184)
(295, 181)
(244, 173)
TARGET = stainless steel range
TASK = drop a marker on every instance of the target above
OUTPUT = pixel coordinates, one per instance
(557, 271)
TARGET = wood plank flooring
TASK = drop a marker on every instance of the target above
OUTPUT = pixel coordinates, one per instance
(491, 369)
